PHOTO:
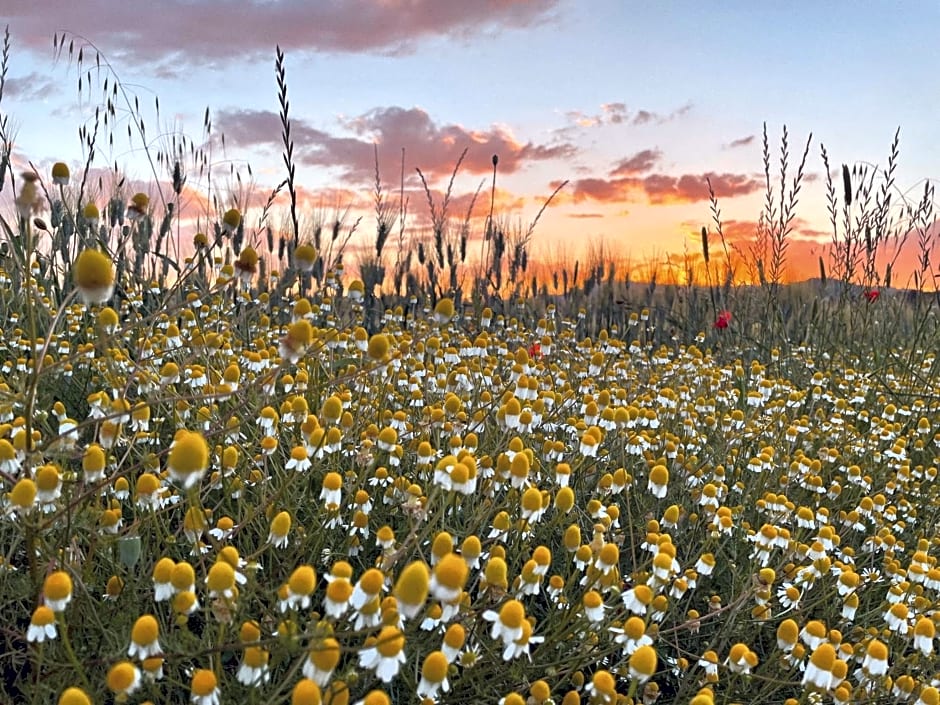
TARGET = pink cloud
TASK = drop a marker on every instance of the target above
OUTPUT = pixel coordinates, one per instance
(434, 148)
(216, 29)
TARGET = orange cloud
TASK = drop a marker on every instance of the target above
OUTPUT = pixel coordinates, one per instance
(662, 189)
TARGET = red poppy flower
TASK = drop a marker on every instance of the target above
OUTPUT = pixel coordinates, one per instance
(535, 351)
(724, 318)
(871, 295)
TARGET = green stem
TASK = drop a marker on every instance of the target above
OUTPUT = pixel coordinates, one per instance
(70, 652)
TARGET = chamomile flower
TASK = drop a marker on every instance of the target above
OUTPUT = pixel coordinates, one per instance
(412, 588)
(322, 660)
(370, 585)
(592, 605)
(220, 582)
(145, 638)
(93, 274)
(434, 675)
(339, 591)
(188, 459)
(642, 663)
(183, 577)
(279, 533)
(299, 460)
(254, 669)
(638, 599)
(22, 498)
(924, 633)
(384, 654)
(74, 696)
(123, 679)
(449, 577)
(454, 639)
(875, 662)
(42, 625)
(658, 481)
(162, 579)
(57, 590)
(632, 635)
(306, 692)
(507, 623)
(819, 671)
(520, 647)
(204, 688)
(331, 492)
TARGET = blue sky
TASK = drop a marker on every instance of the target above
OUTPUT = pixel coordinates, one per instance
(668, 92)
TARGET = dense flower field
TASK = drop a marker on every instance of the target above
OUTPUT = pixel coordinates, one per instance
(250, 499)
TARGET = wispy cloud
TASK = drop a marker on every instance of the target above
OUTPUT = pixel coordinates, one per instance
(620, 114)
(218, 29)
(32, 86)
(741, 142)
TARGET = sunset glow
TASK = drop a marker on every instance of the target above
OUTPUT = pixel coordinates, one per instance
(637, 106)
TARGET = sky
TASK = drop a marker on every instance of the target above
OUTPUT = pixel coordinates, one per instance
(634, 104)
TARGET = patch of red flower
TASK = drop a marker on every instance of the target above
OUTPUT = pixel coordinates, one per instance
(871, 295)
(535, 351)
(724, 318)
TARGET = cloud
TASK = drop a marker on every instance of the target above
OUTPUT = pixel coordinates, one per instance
(741, 142)
(619, 113)
(637, 163)
(614, 113)
(216, 29)
(693, 187)
(661, 189)
(434, 148)
(32, 86)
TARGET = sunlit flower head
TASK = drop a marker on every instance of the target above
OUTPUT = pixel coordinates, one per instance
(819, 670)
(231, 220)
(123, 679)
(322, 659)
(279, 532)
(60, 174)
(74, 696)
(412, 588)
(188, 459)
(57, 590)
(93, 274)
(145, 637)
(204, 688)
(306, 692)
(42, 625)
(385, 654)
(434, 675)
(507, 623)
